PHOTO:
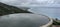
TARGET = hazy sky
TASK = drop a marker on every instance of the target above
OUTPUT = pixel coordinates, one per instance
(38, 3)
(50, 3)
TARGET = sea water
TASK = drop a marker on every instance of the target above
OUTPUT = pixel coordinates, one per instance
(53, 12)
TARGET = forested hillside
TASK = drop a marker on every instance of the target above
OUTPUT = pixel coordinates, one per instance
(8, 9)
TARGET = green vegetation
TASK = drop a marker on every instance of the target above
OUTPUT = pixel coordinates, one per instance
(7, 9)
(56, 22)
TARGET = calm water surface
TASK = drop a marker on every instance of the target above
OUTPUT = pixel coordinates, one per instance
(49, 11)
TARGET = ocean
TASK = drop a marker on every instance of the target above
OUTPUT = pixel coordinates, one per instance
(53, 12)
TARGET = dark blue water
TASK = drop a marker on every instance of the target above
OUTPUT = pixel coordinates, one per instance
(53, 12)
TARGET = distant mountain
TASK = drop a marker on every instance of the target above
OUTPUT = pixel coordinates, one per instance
(7, 9)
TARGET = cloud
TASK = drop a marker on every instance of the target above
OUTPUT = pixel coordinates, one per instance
(31, 2)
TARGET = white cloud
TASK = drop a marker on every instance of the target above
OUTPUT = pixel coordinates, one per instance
(31, 2)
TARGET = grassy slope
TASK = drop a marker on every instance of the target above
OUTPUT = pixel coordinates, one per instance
(7, 9)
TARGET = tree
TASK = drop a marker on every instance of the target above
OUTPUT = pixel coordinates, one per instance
(56, 19)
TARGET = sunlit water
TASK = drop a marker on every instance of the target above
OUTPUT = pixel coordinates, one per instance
(53, 12)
